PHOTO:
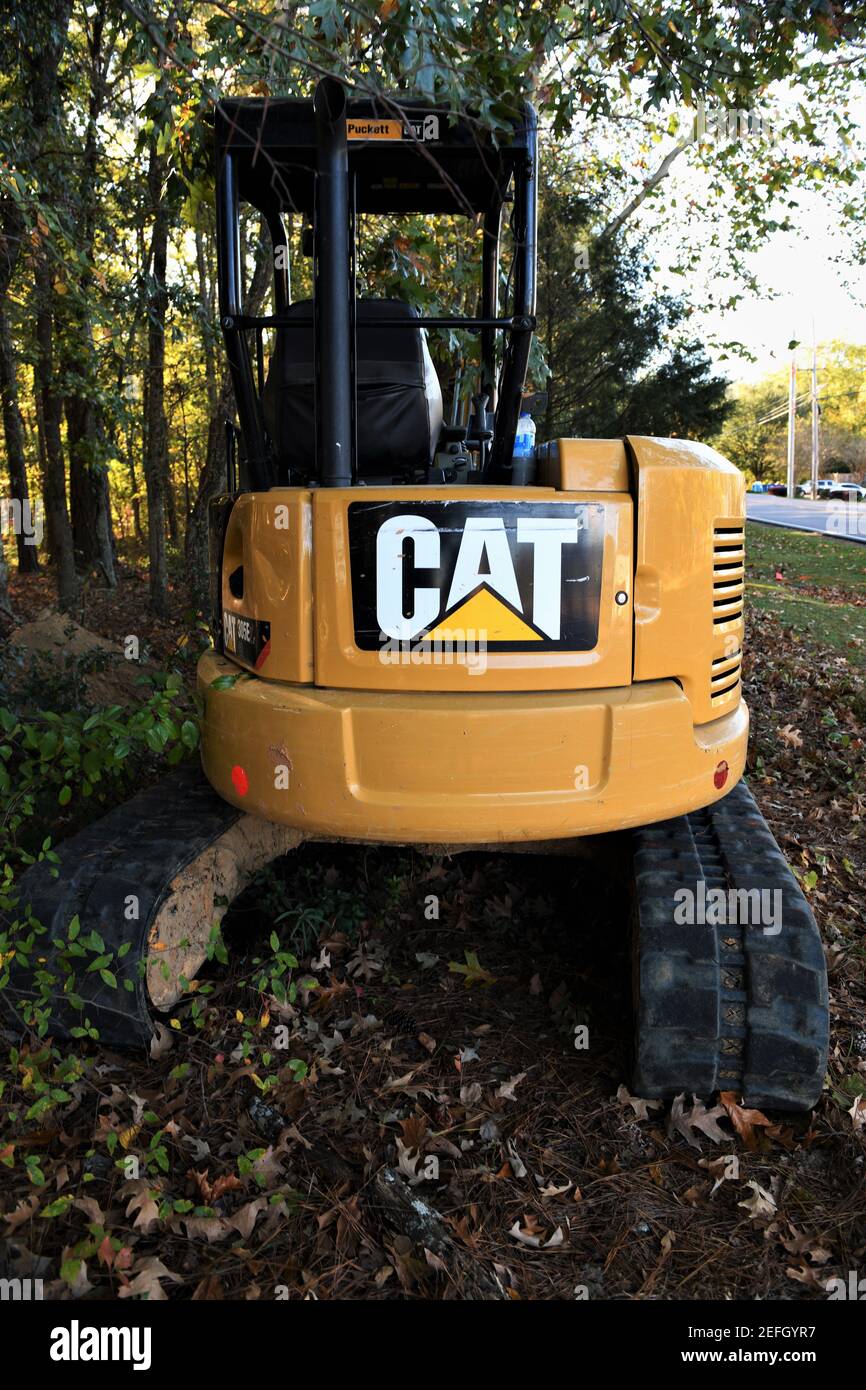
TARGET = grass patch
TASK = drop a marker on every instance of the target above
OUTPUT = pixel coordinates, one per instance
(809, 562)
(805, 559)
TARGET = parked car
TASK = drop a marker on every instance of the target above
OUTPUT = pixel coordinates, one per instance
(848, 492)
(825, 487)
(778, 490)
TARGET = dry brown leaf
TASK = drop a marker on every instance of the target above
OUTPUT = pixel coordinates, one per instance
(161, 1042)
(142, 1203)
(532, 1234)
(244, 1219)
(744, 1120)
(805, 1275)
(22, 1213)
(725, 1168)
(761, 1204)
(507, 1089)
(212, 1191)
(146, 1281)
(640, 1107)
(554, 1191)
(209, 1228)
(858, 1113)
(91, 1209)
(684, 1122)
(696, 1196)
(791, 736)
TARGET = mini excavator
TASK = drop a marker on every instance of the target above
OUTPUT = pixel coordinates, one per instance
(426, 635)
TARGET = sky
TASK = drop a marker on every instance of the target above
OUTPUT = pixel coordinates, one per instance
(801, 281)
(808, 286)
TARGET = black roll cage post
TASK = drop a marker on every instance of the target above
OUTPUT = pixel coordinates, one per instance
(334, 304)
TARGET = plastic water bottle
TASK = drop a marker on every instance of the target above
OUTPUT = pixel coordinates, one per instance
(523, 458)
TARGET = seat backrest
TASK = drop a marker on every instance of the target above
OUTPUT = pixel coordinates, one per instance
(399, 396)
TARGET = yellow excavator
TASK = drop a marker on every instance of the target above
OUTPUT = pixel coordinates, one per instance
(449, 635)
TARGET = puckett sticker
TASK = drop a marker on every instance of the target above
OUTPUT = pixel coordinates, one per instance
(421, 128)
(526, 574)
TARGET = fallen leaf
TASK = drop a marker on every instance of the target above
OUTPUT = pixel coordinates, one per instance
(858, 1113)
(761, 1204)
(684, 1122)
(530, 1234)
(696, 1196)
(141, 1202)
(554, 1191)
(743, 1120)
(161, 1042)
(507, 1089)
(244, 1219)
(22, 1213)
(473, 971)
(791, 736)
(146, 1281)
(640, 1107)
(725, 1168)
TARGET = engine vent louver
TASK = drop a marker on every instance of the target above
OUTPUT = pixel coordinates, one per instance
(729, 558)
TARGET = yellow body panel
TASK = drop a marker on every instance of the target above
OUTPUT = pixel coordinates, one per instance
(536, 744)
(689, 576)
(269, 537)
(600, 465)
(463, 768)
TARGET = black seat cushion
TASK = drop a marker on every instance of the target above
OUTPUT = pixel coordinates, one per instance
(399, 396)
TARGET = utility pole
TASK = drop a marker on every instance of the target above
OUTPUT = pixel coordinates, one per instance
(792, 419)
(814, 414)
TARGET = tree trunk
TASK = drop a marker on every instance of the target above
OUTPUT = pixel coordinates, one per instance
(13, 428)
(90, 503)
(55, 473)
(43, 34)
(5, 602)
(212, 481)
(155, 432)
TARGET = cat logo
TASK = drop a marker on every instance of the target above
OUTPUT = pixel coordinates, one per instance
(424, 129)
(527, 575)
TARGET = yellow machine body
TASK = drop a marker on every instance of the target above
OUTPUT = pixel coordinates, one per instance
(484, 727)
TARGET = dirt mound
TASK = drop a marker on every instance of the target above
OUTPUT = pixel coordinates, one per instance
(54, 647)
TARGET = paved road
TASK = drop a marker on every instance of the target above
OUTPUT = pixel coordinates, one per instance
(841, 520)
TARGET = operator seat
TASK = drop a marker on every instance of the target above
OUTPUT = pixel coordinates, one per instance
(399, 396)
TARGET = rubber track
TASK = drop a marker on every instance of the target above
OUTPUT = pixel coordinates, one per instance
(726, 1008)
(137, 849)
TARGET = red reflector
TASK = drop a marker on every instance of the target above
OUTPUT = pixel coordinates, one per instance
(240, 781)
(720, 776)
